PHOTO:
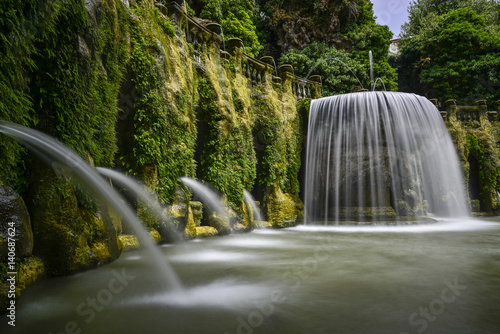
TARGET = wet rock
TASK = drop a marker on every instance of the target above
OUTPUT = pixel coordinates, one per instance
(282, 209)
(206, 231)
(14, 218)
(197, 208)
(68, 238)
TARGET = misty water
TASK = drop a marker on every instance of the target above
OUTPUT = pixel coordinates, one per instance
(436, 278)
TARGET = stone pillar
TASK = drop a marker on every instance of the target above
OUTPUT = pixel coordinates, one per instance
(286, 74)
(316, 91)
(451, 108)
(482, 107)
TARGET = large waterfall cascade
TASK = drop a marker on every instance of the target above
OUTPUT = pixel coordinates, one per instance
(380, 156)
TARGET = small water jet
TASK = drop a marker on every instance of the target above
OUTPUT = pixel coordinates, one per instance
(380, 156)
(372, 75)
(54, 151)
(212, 200)
(257, 215)
(335, 59)
(140, 192)
(375, 84)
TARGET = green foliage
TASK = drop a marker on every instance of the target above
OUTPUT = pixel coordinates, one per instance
(458, 56)
(368, 36)
(78, 72)
(163, 138)
(294, 24)
(228, 157)
(422, 14)
(335, 76)
(489, 168)
(236, 18)
(16, 48)
(280, 145)
(60, 71)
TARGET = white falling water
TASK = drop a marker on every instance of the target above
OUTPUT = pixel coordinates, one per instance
(208, 196)
(257, 215)
(376, 155)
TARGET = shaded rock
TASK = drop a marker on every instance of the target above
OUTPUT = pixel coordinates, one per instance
(14, 218)
(197, 208)
(29, 270)
(68, 238)
(282, 209)
(475, 205)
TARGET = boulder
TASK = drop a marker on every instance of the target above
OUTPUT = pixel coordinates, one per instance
(283, 209)
(14, 222)
(69, 238)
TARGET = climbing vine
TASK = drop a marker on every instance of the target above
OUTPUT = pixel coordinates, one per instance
(489, 168)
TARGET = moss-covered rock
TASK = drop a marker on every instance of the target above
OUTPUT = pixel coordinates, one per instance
(197, 208)
(220, 223)
(206, 231)
(14, 223)
(190, 230)
(130, 242)
(68, 238)
(29, 270)
(282, 209)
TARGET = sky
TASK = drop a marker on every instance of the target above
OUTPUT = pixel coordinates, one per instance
(392, 13)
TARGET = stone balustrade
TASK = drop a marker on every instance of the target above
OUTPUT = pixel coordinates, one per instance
(468, 115)
(257, 71)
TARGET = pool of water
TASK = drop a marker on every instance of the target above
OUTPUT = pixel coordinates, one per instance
(437, 278)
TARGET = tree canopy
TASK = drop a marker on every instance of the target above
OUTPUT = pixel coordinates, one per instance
(423, 13)
(236, 18)
(333, 65)
(456, 55)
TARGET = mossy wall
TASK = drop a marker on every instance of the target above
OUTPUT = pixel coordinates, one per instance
(121, 85)
(474, 132)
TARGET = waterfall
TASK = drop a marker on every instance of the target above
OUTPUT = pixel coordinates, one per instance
(380, 155)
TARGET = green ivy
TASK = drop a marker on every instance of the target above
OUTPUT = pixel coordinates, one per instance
(228, 159)
(489, 169)
(162, 138)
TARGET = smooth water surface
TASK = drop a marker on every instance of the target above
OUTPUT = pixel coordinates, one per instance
(438, 278)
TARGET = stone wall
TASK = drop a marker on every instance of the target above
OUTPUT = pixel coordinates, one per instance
(475, 130)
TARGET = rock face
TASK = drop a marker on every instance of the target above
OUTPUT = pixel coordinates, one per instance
(283, 209)
(68, 237)
(14, 218)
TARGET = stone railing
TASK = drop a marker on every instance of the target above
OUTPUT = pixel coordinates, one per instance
(302, 88)
(469, 115)
(257, 71)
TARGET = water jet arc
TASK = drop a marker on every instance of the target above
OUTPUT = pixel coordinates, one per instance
(139, 192)
(56, 151)
(211, 199)
(338, 60)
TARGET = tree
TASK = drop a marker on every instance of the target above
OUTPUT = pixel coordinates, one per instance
(335, 74)
(236, 18)
(458, 56)
(294, 24)
(423, 13)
